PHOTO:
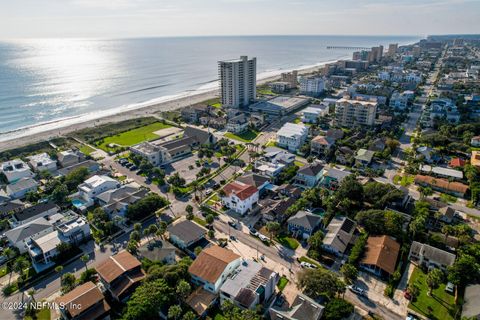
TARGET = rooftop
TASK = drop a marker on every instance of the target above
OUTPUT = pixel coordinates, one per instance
(186, 230)
(241, 190)
(117, 265)
(291, 129)
(211, 262)
(82, 298)
(382, 252)
(305, 219)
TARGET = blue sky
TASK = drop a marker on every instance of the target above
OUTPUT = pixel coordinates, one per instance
(145, 18)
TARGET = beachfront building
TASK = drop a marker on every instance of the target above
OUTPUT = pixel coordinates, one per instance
(351, 113)
(292, 136)
(15, 170)
(279, 106)
(312, 86)
(238, 80)
(290, 78)
(42, 162)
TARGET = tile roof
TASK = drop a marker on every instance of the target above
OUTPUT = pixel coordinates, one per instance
(441, 183)
(117, 265)
(323, 140)
(84, 296)
(211, 262)
(253, 179)
(457, 162)
(241, 190)
(382, 252)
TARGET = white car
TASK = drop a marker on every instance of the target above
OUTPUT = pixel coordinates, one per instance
(357, 290)
(450, 287)
(262, 237)
(304, 264)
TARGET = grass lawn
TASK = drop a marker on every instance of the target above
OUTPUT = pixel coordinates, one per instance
(86, 149)
(404, 181)
(3, 271)
(298, 163)
(448, 198)
(200, 221)
(297, 120)
(288, 242)
(440, 305)
(307, 259)
(42, 314)
(217, 105)
(271, 143)
(134, 136)
(246, 136)
(282, 283)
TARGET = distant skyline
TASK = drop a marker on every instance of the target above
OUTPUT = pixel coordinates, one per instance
(151, 18)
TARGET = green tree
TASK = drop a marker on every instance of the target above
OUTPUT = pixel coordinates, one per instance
(183, 290)
(59, 194)
(137, 227)
(85, 259)
(318, 283)
(434, 278)
(135, 235)
(75, 177)
(189, 316)
(349, 272)
(197, 251)
(316, 240)
(68, 282)
(209, 219)
(132, 246)
(337, 309)
(273, 228)
(9, 254)
(20, 264)
(189, 209)
(174, 312)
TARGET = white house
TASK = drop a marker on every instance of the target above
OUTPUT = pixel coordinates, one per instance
(15, 170)
(94, 186)
(42, 162)
(312, 86)
(292, 136)
(475, 141)
(240, 197)
(212, 267)
(237, 124)
(313, 113)
(431, 257)
(249, 285)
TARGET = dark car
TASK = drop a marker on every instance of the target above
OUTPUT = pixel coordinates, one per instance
(232, 224)
(133, 168)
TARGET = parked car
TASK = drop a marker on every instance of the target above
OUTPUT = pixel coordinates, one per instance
(450, 287)
(133, 168)
(129, 165)
(357, 290)
(233, 238)
(262, 237)
(209, 192)
(232, 224)
(254, 232)
(307, 265)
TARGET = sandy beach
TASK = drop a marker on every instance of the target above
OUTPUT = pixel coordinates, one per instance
(42, 132)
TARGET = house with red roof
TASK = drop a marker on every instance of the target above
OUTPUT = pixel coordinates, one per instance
(240, 197)
(457, 163)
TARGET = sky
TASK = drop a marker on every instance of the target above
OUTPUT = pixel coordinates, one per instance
(151, 18)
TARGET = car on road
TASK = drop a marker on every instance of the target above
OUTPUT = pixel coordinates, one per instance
(128, 165)
(209, 192)
(233, 238)
(357, 290)
(253, 232)
(411, 317)
(262, 237)
(232, 224)
(133, 168)
(307, 265)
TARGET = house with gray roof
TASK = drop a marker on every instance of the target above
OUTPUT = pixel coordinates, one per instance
(185, 233)
(20, 188)
(309, 175)
(364, 157)
(339, 234)
(431, 257)
(303, 224)
(115, 202)
(303, 308)
(332, 177)
(257, 180)
(39, 210)
(18, 236)
(158, 250)
(10, 207)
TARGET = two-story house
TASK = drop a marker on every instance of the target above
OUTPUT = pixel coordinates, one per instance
(292, 136)
(237, 124)
(240, 197)
(84, 302)
(309, 175)
(423, 254)
(212, 267)
(120, 274)
(303, 224)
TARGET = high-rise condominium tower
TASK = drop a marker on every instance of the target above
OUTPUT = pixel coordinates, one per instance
(238, 79)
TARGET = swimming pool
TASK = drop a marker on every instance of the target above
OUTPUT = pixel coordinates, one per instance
(77, 203)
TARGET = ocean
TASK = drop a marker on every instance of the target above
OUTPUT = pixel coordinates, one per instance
(51, 80)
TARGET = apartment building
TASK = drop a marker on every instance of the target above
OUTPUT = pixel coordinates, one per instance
(238, 79)
(351, 113)
(292, 136)
(312, 86)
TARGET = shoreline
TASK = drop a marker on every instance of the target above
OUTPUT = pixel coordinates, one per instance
(41, 132)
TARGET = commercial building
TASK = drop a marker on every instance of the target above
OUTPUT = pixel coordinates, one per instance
(238, 80)
(351, 113)
(312, 86)
(292, 136)
(392, 49)
(279, 106)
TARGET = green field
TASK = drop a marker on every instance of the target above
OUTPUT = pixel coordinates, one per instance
(298, 163)
(42, 314)
(282, 283)
(288, 242)
(86, 149)
(131, 137)
(246, 136)
(217, 105)
(200, 221)
(440, 305)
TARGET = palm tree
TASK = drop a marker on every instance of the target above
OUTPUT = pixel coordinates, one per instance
(9, 254)
(273, 228)
(85, 259)
(20, 265)
(31, 293)
(58, 269)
